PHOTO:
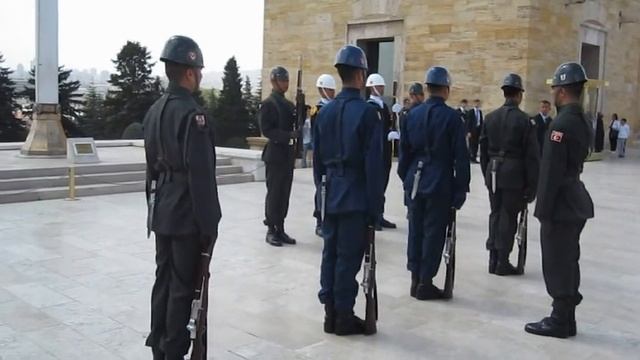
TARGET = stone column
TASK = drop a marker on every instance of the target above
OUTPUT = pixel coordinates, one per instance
(46, 136)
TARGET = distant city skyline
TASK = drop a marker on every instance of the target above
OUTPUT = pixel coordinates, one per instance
(88, 38)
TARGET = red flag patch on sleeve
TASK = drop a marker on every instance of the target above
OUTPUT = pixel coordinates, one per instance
(556, 136)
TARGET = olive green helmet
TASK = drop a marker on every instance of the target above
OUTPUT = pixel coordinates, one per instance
(182, 50)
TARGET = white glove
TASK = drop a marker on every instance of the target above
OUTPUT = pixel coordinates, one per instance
(396, 108)
(393, 135)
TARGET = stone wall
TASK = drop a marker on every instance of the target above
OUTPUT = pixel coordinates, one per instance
(479, 41)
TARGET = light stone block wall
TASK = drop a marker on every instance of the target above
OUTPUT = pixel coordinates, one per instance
(479, 41)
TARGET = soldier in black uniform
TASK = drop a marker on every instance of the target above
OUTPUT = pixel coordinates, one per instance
(509, 160)
(277, 117)
(184, 211)
(563, 205)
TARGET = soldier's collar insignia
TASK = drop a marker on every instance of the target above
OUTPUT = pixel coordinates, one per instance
(556, 136)
(533, 122)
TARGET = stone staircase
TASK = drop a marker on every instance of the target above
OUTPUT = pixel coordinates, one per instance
(21, 185)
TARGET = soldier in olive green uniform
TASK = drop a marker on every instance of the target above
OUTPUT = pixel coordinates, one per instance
(509, 159)
(563, 205)
(277, 118)
(184, 211)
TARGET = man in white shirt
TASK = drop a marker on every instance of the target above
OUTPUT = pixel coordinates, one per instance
(623, 134)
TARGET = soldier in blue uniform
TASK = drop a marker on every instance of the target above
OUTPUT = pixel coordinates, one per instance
(184, 211)
(348, 152)
(433, 152)
(564, 204)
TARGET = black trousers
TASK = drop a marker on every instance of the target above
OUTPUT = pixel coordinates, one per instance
(279, 178)
(177, 260)
(503, 220)
(560, 243)
(474, 140)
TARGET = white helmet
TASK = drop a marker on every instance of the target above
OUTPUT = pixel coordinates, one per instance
(375, 80)
(326, 81)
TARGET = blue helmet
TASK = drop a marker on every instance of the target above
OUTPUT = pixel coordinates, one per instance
(353, 56)
(438, 75)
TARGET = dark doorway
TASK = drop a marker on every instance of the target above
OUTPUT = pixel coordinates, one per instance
(590, 59)
(380, 54)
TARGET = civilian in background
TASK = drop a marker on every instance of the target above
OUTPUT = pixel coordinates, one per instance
(613, 133)
(542, 119)
(623, 134)
(599, 142)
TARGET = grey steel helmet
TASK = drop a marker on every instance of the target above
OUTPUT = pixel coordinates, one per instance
(569, 73)
(416, 89)
(513, 81)
(438, 75)
(279, 73)
(182, 50)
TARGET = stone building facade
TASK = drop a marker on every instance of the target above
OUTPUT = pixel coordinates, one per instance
(479, 41)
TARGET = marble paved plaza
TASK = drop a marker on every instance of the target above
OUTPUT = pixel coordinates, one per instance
(75, 279)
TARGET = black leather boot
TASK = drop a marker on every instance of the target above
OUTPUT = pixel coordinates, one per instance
(348, 324)
(272, 237)
(552, 327)
(428, 291)
(329, 318)
(284, 237)
(504, 267)
(414, 284)
(493, 261)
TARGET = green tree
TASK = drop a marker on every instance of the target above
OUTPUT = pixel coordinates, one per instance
(231, 116)
(134, 89)
(252, 104)
(68, 98)
(91, 122)
(11, 129)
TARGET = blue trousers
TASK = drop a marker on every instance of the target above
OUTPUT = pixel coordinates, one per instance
(344, 246)
(428, 218)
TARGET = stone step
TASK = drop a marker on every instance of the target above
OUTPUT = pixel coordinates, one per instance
(90, 179)
(85, 169)
(62, 192)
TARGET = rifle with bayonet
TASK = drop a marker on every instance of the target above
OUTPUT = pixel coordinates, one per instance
(301, 111)
(449, 255)
(521, 238)
(197, 325)
(369, 286)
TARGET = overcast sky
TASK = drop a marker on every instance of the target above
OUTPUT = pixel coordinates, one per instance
(91, 32)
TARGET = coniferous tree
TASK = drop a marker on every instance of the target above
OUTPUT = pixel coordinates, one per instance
(91, 122)
(231, 116)
(68, 98)
(11, 129)
(252, 104)
(134, 89)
